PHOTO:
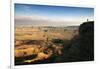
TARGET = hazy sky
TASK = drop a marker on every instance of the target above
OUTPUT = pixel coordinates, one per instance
(30, 14)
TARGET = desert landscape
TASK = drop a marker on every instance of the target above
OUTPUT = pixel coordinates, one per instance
(52, 34)
(41, 43)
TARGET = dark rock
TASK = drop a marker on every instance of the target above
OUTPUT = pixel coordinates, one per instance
(81, 48)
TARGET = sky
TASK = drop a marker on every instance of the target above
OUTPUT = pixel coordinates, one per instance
(30, 14)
